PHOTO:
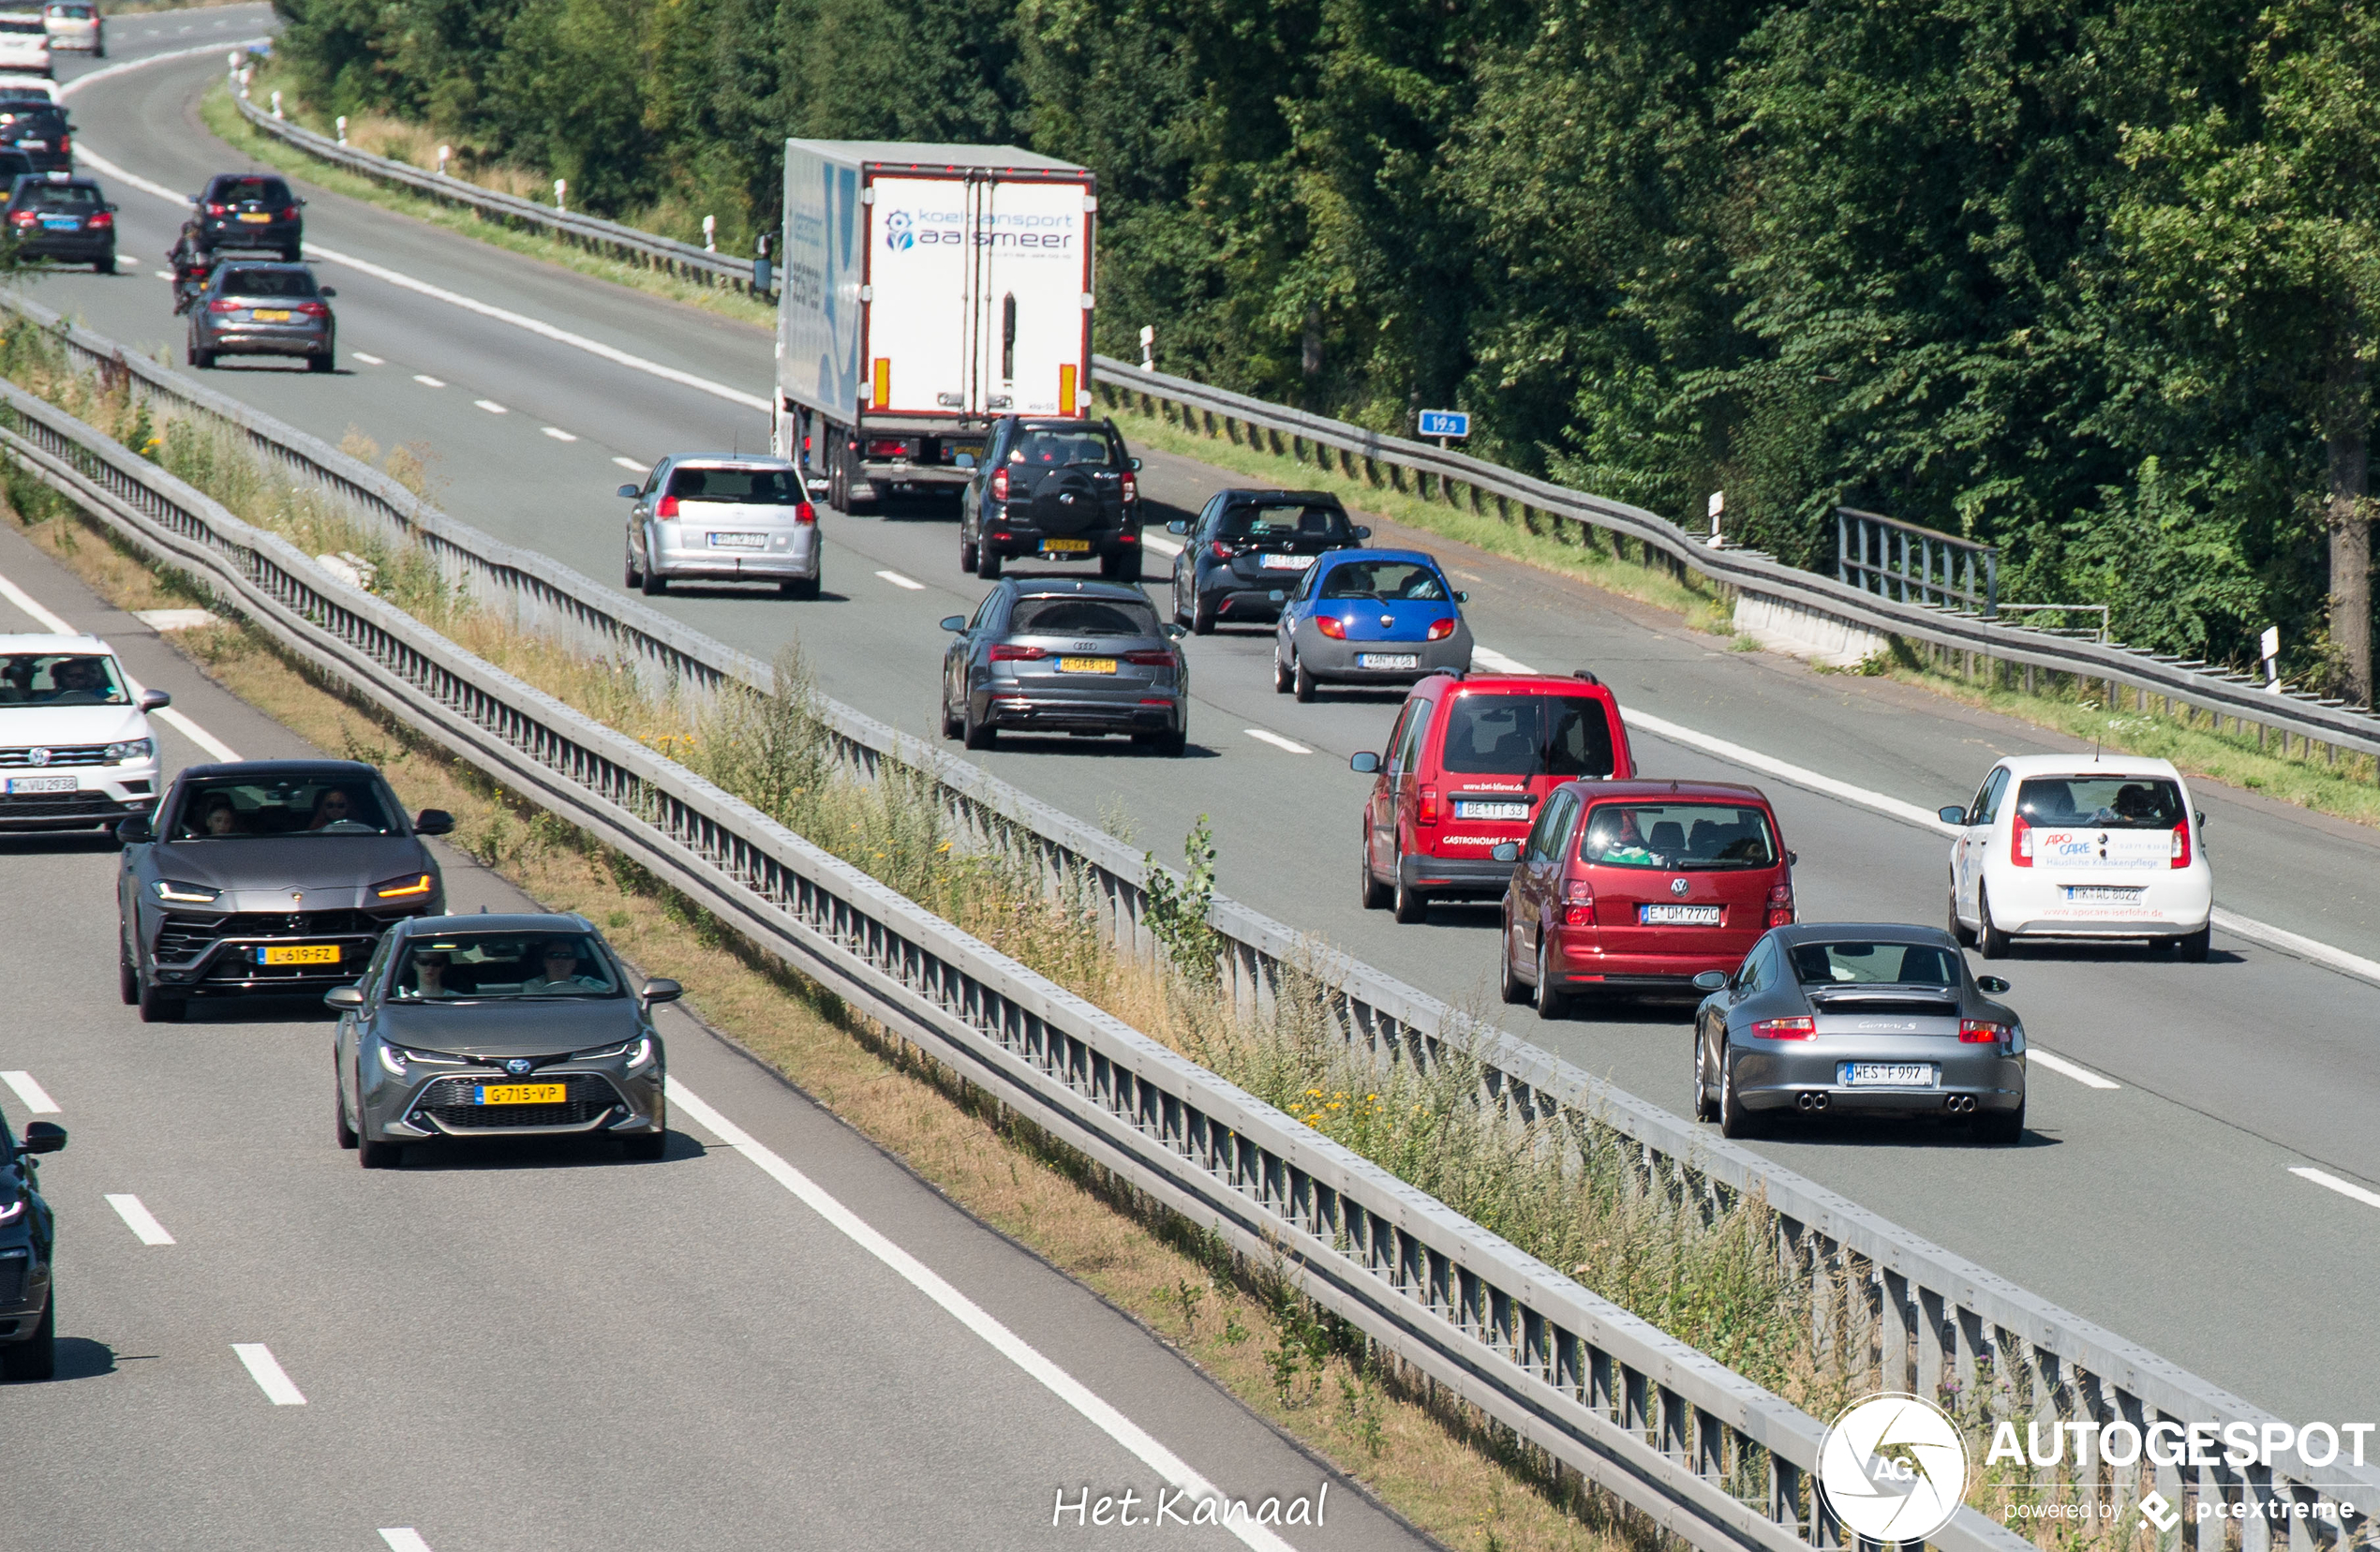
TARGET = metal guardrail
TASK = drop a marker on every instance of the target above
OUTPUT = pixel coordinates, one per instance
(1886, 556)
(1920, 1316)
(661, 253)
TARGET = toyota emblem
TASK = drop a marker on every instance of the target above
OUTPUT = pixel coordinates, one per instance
(37, 756)
(1679, 886)
(520, 1066)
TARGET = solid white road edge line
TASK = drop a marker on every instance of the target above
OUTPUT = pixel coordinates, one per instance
(1148, 541)
(196, 734)
(1277, 741)
(899, 581)
(2344, 1187)
(32, 606)
(137, 1218)
(2075, 1070)
(266, 1371)
(404, 1538)
(35, 1097)
(219, 46)
(1065, 1386)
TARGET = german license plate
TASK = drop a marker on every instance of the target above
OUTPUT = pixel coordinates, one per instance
(1388, 660)
(40, 783)
(1286, 563)
(299, 953)
(255, 219)
(60, 223)
(1677, 916)
(739, 541)
(1888, 1074)
(523, 1094)
(1474, 807)
(1086, 665)
(2106, 894)
(270, 315)
(1065, 546)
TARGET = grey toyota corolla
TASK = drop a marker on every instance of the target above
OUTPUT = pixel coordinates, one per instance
(497, 1026)
(266, 877)
(1827, 1018)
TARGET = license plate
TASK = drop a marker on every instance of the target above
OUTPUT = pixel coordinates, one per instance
(40, 783)
(1677, 916)
(1472, 808)
(1286, 563)
(33, 145)
(299, 953)
(60, 223)
(964, 450)
(1065, 546)
(739, 541)
(1387, 660)
(1086, 665)
(258, 221)
(1888, 1074)
(2105, 893)
(523, 1094)
(270, 315)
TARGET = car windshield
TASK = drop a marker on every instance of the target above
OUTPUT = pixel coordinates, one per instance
(271, 191)
(21, 24)
(1527, 735)
(2101, 802)
(482, 966)
(1255, 522)
(1068, 614)
(1057, 448)
(62, 197)
(61, 678)
(1875, 964)
(1384, 579)
(750, 486)
(1678, 837)
(291, 803)
(268, 282)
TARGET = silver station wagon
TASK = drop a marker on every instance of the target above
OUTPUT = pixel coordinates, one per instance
(723, 517)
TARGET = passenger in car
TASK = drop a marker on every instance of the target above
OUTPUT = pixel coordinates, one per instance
(220, 817)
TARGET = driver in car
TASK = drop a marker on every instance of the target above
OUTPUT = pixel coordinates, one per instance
(331, 805)
(560, 972)
(78, 681)
(429, 977)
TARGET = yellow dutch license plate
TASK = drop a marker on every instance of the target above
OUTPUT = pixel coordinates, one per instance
(1065, 546)
(271, 315)
(299, 953)
(1086, 665)
(259, 219)
(522, 1094)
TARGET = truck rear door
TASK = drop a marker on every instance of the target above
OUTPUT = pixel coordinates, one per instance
(918, 318)
(1031, 275)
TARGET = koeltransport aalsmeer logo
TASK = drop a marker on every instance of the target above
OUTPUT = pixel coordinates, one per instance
(1893, 1469)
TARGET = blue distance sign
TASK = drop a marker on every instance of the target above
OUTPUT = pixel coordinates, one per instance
(1446, 422)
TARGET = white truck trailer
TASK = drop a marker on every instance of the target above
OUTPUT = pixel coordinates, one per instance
(926, 291)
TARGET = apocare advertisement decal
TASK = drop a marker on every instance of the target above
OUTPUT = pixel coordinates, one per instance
(1894, 1467)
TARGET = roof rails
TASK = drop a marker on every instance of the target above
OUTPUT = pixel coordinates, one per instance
(1586, 674)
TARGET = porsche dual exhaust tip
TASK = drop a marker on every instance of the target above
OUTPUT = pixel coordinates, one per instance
(1810, 1100)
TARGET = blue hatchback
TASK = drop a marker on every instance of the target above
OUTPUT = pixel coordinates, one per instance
(1369, 616)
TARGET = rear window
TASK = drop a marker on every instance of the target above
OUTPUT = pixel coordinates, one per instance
(71, 13)
(1527, 735)
(2102, 802)
(1384, 579)
(1678, 837)
(1874, 965)
(1070, 615)
(1284, 520)
(1057, 448)
(22, 24)
(268, 282)
(32, 119)
(271, 191)
(757, 487)
(50, 196)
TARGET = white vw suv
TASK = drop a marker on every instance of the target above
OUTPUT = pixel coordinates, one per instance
(76, 752)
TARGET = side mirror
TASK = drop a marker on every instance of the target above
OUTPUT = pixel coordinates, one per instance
(659, 990)
(152, 700)
(1505, 851)
(1990, 986)
(1462, 597)
(954, 622)
(1952, 815)
(44, 1137)
(330, 290)
(1710, 980)
(1180, 525)
(2201, 817)
(109, 209)
(1363, 763)
(1174, 631)
(1793, 859)
(433, 822)
(1362, 532)
(344, 998)
(135, 830)
(1135, 463)
(1276, 596)
(627, 493)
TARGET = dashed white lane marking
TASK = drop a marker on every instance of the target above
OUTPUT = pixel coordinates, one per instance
(1162, 545)
(196, 734)
(558, 434)
(368, 359)
(427, 381)
(35, 1097)
(634, 467)
(165, 275)
(137, 1218)
(1277, 741)
(404, 1538)
(2079, 1073)
(265, 1370)
(1059, 1383)
(899, 581)
(491, 407)
(2344, 1187)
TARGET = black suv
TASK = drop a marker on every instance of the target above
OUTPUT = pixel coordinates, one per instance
(56, 216)
(28, 1313)
(40, 130)
(1249, 548)
(249, 209)
(1056, 490)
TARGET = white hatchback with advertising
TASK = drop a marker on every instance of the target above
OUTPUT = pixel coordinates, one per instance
(24, 42)
(76, 752)
(2068, 847)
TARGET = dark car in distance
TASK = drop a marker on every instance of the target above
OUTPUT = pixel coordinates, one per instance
(264, 309)
(1055, 490)
(58, 215)
(488, 1026)
(1248, 549)
(41, 131)
(265, 877)
(1057, 655)
(249, 209)
(28, 1242)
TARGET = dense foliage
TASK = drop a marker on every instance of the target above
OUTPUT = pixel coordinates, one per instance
(2094, 280)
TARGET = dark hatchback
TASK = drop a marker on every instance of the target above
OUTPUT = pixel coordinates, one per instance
(264, 309)
(41, 131)
(244, 210)
(28, 1242)
(1055, 490)
(1056, 655)
(1247, 546)
(53, 215)
(266, 878)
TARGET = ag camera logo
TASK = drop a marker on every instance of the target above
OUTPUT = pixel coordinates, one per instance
(898, 233)
(1893, 1469)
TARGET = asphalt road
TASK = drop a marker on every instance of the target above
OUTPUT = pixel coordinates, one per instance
(2163, 1207)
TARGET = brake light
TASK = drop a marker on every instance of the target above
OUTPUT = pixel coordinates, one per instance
(101, 222)
(1578, 902)
(218, 210)
(23, 218)
(224, 307)
(804, 514)
(2020, 842)
(1977, 1032)
(666, 508)
(1151, 660)
(998, 485)
(66, 142)
(314, 309)
(1331, 626)
(1131, 488)
(1780, 904)
(1441, 629)
(1785, 1029)
(1429, 815)
(2182, 844)
(1005, 653)
(883, 447)
(1220, 550)
(289, 215)
(1578, 915)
